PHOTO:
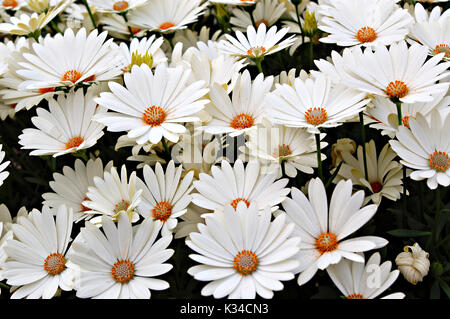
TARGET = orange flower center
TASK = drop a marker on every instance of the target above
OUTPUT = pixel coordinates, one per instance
(72, 76)
(316, 116)
(121, 206)
(166, 25)
(439, 161)
(245, 262)
(120, 5)
(326, 242)
(405, 120)
(74, 142)
(442, 48)
(84, 208)
(355, 296)
(236, 201)
(135, 30)
(397, 89)
(154, 116)
(54, 264)
(123, 271)
(10, 3)
(256, 51)
(242, 121)
(257, 23)
(90, 78)
(366, 34)
(46, 90)
(284, 150)
(376, 187)
(162, 211)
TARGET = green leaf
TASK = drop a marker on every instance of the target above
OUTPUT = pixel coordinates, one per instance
(408, 233)
(445, 287)
(435, 292)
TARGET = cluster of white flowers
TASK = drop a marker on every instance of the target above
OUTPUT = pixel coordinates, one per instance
(183, 100)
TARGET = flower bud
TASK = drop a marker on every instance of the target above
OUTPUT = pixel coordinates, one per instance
(310, 26)
(414, 264)
(341, 145)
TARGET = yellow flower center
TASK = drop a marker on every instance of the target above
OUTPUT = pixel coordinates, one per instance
(236, 201)
(72, 76)
(154, 116)
(54, 264)
(397, 89)
(120, 5)
(366, 34)
(139, 59)
(242, 121)
(439, 161)
(284, 150)
(326, 242)
(316, 116)
(123, 271)
(74, 142)
(162, 211)
(442, 48)
(245, 262)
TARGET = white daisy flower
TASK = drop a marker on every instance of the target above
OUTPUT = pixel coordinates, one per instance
(384, 174)
(117, 27)
(167, 15)
(235, 2)
(425, 147)
(115, 6)
(314, 103)
(121, 261)
(433, 33)
(190, 38)
(383, 112)
(230, 185)
(37, 260)
(152, 106)
(70, 187)
(143, 51)
(257, 43)
(363, 22)
(265, 11)
(358, 281)
(13, 4)
(5, 235)
(6, 50)
(3, 174)
(69, 60)
(165, 196)
(242, 253)
(398, 73)
(113, 195)
(243, 111)
(66, 127)
(276, 146)
(324, 230)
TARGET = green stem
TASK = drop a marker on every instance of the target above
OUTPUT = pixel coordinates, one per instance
(90, 13)
(399, 111)
(398, 104)
(363, 137)
(311, 54)
(258, 64)
(124, 15)
(5, 286)
(55, 27)
(299, 23)
(437, 215)
(166, 148)
(319, 156)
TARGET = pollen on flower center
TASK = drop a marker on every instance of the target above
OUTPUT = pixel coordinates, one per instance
(121, 206)
(242, 121)
(54, 264)
(376, 187)
(10, 3)
(439, 161)
(366, 34)
(245, 262)
(166, 25)
(405, 120)
(74, 142)
(120, 5)
(442, 48)
(236, 201)
(72, 76)
(397, 89)
(316, 116)
(123, 271)
(326, 242)
(355, 296)
(256, 51)
(162, 211)
(154, 116)
(284, 150)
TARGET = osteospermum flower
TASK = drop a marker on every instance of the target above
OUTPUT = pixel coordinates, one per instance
(70, 187)
(37, 261)
(165, 196)
(116, 6)
(121, 261)
(278, 147)
(257, 43)
(113, 195)
(242, 253)
(144, 51)
(363, 22)
(425, 147)
(66, 127)
(3, 174)
(324, 230)
(228, 186)
(152, 106)
(398, 73)
(117, 27)
(384, 174)
(313, 103)
(69, 60)
(13, 4)
(243, 111)
(167, 15)
(358, 281)
(265, 11)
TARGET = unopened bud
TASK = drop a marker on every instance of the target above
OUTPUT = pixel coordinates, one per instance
(414, 264)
